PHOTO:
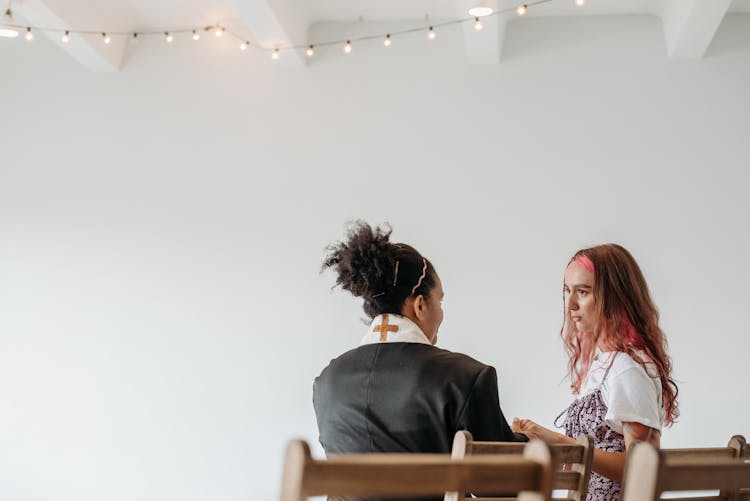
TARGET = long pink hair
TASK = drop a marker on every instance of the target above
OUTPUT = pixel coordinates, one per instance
(628, 321)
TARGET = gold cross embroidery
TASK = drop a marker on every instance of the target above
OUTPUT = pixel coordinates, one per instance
(384, 328)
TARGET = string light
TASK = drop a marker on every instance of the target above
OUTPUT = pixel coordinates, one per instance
(7, 29)
(482, 8)
(134, 38)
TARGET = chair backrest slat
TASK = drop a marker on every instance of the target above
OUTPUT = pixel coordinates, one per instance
(365, 478)
(695, 475)
(702, 453)
(563, 453)
(567, 480)
(416, 474)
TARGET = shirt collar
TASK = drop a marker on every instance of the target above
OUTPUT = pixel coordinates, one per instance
(391, 328)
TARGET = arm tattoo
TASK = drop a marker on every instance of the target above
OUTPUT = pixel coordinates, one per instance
(642, 433)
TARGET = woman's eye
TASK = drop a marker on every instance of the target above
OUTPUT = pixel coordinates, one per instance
(582, 293)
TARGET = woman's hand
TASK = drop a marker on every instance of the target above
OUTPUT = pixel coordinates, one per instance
(533, 430)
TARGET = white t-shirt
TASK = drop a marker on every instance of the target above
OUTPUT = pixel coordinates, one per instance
(630, 393)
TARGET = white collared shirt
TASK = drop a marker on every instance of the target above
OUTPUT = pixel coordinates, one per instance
(391, 328)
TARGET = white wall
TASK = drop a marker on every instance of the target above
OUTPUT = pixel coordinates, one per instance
(162, 228)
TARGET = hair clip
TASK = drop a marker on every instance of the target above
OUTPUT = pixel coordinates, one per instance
(424, 272)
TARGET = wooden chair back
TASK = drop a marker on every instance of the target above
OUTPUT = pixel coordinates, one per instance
(385, 475)
(572, 468)
(736, 448)
(649, 472)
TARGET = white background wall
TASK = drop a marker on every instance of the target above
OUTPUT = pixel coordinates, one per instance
(161, 232)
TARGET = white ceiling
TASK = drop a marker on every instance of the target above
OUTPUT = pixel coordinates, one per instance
(689, 25)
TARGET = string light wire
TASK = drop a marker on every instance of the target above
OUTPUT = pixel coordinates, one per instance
(192, 31)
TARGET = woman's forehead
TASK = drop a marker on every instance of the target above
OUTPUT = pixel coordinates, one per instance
(575, 274)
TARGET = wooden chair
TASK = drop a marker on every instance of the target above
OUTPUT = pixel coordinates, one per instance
(649, 472)
(576, 460)
(736, 448)
(528, 476)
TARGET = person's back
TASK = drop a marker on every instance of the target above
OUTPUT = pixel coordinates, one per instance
(405, 397)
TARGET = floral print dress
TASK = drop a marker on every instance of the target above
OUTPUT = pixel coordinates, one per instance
(586, 416)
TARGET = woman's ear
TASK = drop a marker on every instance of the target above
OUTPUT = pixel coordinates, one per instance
(419, 306)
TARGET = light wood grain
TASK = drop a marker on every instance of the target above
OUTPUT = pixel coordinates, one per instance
(575, 458)
(650, 472)
(529, 476)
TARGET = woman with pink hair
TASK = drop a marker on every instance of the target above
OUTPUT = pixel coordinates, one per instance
(618, 364)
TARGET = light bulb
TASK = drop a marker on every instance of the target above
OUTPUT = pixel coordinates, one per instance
(168, 37)
(275, 54)
(243, 46)
(219, 32)
(431, 34)
(521, 10)
(348, 47)
(478, 24)
(580, 2)
(310, 51)
(387, 41)
(66, 37)
(106, 38)
(7, 29)
(196, 35)
(29, 35)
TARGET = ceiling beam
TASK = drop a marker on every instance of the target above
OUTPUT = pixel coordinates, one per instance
(277, 23)
(89, 50)
(690, 26)
(485, 46)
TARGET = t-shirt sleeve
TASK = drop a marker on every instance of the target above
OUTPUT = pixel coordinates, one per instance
(481, 414)
(632, 397)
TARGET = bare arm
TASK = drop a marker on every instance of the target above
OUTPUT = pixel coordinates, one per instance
(612, 464)
(606, 464)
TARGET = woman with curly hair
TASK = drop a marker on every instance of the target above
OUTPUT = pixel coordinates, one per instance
(396, 391)
(618, 364)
